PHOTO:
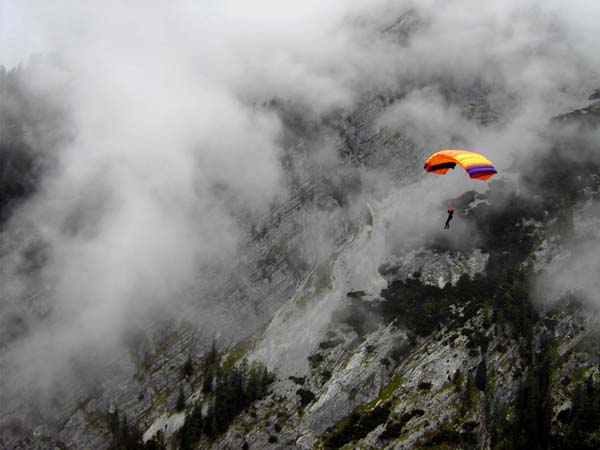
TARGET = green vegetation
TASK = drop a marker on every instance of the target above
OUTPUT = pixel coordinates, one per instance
(423, 308)
(582, 420)
(187, 370)
(448, 439)
(211, 365)
(315, 359)
(356, 426)
(530, 426)
(97, 420)
(180, 404)
(481, 376)
(500, 296)
(469, 397)
(424, 386)
(503, 289)
(356, 294)
(298, 380)
(125, 436)
(306, 397)
(232, 389)
(238, 352)
(590, 344)
(389, 389)
(394, 428)
(326, 376)
(457, 380)
(509, 227)
(325, 345)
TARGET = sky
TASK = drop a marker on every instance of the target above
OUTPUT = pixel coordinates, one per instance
(170, 144)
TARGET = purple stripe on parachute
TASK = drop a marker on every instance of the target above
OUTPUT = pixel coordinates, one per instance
(480, 168)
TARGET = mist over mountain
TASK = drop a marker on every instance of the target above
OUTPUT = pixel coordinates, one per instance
(222, 203)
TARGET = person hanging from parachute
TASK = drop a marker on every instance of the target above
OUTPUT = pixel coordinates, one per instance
(450, 214)
(477, 166)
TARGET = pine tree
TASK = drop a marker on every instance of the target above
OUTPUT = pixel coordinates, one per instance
(188, 368)
(481, 375)
(180, 404)
(457, 380)
(470, 394)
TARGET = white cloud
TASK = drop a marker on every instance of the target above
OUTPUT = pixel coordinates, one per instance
(169, 135)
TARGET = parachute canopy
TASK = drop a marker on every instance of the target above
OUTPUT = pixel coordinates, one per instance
(476, 165)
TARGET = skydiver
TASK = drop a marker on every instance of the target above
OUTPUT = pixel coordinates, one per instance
(450, 214)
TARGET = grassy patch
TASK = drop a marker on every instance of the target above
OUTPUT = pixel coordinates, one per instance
(97, 420)
(238, 352)
(389, 389)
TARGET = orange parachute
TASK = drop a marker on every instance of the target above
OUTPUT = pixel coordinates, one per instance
(476, 165)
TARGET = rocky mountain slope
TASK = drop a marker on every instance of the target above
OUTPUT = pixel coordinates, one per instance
(475, 365)
(331, 333)
(435, 345)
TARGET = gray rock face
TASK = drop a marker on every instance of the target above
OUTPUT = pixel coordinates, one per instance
(588, 116)
(300, 232)
(436, 385)
(435, 268)
(329, 236)
(423, 389)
